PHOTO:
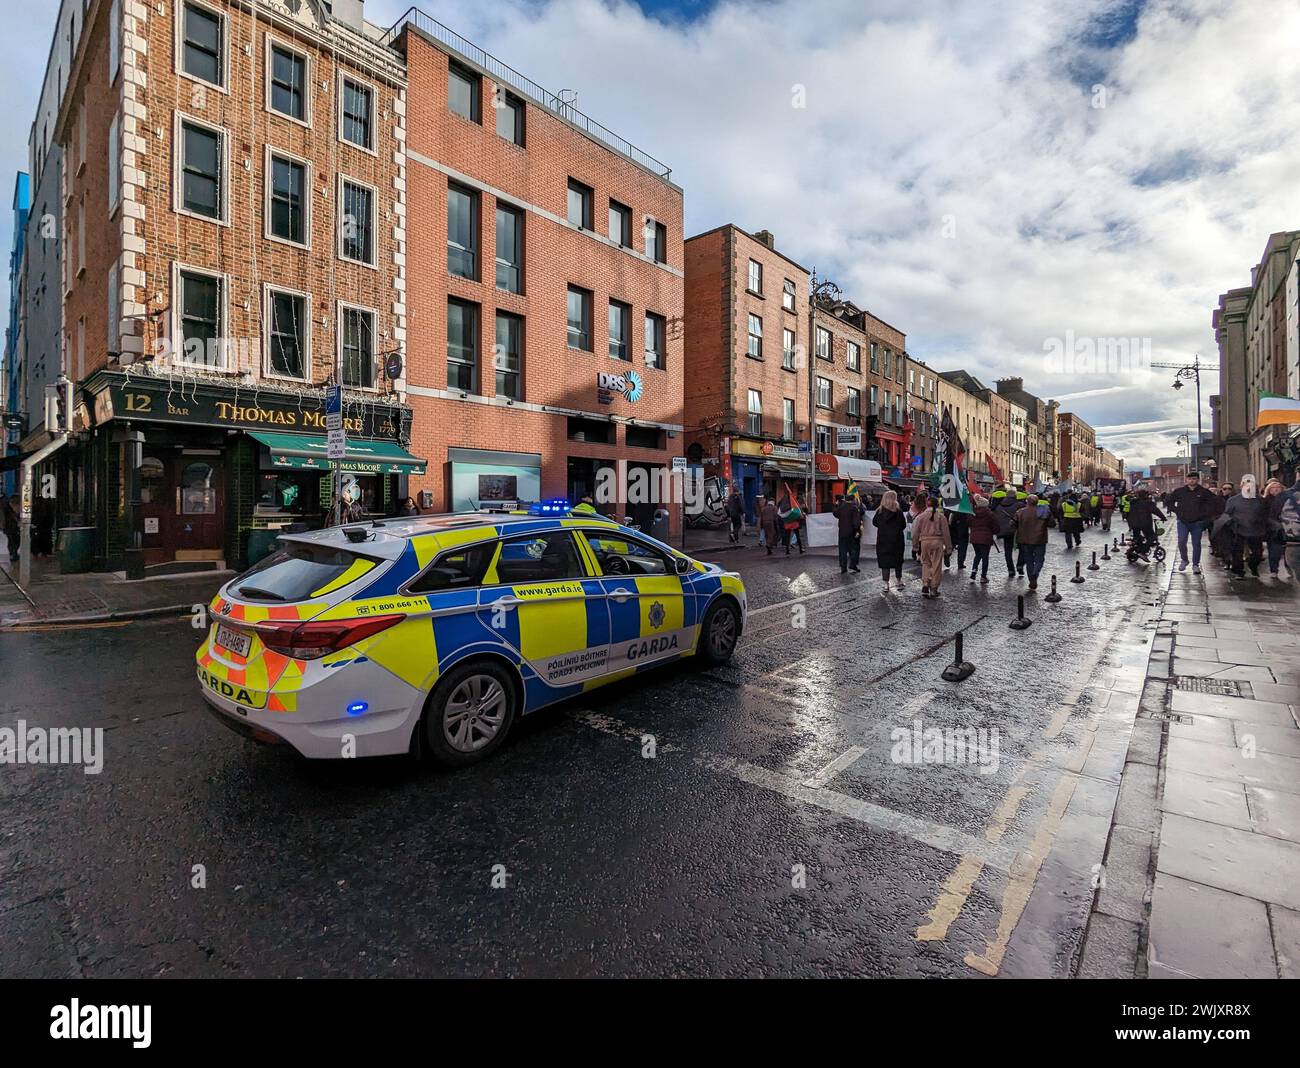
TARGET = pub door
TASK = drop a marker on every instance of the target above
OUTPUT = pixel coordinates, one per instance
(182, 505)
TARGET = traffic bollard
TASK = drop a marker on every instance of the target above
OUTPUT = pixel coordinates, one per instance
(1094, 566)
(1078, 574)
(1053, 597)
(959, 669)
(1020, 622)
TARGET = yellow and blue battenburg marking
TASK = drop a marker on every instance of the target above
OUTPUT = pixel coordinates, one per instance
(563, 636)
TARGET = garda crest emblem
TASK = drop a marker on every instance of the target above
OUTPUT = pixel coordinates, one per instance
(657, 615)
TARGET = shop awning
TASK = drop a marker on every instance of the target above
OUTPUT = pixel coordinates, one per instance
(845, 467)
(362, 456)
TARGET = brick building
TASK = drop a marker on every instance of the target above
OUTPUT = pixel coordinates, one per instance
(747, 399)
(1000, 435)
(233, 227)
(923, 415)
(1078, 446)
(545, 292)
(974, 423)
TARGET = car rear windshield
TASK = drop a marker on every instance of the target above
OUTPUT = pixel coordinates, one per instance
(294, 573)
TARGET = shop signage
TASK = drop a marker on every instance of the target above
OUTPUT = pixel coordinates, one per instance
(848, 437)
(157, 400)
(628, 384)
(679, 463)
(784, 452)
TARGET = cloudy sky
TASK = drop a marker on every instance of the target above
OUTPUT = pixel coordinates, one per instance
(1014, 185)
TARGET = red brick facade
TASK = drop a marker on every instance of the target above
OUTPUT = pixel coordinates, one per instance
(558, 394)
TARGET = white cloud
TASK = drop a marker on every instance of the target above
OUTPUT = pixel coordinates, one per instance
(1124, 221)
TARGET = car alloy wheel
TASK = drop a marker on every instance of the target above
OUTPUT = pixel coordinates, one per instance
(474, 713)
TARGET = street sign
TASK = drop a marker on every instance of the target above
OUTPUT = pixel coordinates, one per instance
(805, 447)
(393, 365)
(679, 463)
(336, 444)
(334, 408)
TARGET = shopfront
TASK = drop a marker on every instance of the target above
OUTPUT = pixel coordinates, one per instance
(488, 479)
(763, 468)
(205, 473)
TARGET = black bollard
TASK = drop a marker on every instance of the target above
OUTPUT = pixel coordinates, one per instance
(1078, 575)
(959, 669)
(1053, 597)
(1105, 552)
(1094, 566)
(1116, 545)
(1020, 622)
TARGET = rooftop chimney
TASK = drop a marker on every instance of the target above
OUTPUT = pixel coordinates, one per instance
(767, 238)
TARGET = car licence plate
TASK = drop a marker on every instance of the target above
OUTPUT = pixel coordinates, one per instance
(232, 641)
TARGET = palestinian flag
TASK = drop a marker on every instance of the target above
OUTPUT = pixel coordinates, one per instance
(1277, 411)
(948, 478)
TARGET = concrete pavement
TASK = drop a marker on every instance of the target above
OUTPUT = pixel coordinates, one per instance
(1202, 873)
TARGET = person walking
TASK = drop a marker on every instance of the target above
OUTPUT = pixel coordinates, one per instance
(735, 509)
(1220, 534)
(1070, 516)
(1289, 520)
(1106, 508)
(983, 526)
(12, 527)
(933, 539)
(1247, 515)
(1004, 506)
(848, 511)
(891, 530)
(1274, 540)
(408, 507)
(1032, 524)
(1193, 506)
(767, 524)
(959, 527)
(790, 516)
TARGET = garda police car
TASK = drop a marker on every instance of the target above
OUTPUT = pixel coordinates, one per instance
(435, 633)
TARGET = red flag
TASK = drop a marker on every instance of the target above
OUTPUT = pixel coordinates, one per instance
(993, 470)
(970, 483)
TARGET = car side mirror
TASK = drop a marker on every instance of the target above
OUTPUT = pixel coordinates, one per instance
(683, 565)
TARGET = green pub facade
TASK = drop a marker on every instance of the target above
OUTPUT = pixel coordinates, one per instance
(188, 473)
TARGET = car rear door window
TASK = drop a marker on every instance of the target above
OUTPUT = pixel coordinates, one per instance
(545, 557)
(456, 569)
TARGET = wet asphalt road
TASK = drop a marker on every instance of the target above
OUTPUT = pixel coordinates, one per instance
(771, 833)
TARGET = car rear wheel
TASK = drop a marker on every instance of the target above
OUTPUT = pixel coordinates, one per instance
(469, 713)
(720, 633)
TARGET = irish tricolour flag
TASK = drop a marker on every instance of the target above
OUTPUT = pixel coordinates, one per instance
(1274, 410)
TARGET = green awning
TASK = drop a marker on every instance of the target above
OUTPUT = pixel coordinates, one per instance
(363, 457)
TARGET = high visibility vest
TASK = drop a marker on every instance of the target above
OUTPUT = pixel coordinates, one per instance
(1069, 510)
(1095, 500)
(1123, 504)
(583, 508)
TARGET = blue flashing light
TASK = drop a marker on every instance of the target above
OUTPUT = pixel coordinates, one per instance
(555, 506)
(356, 708)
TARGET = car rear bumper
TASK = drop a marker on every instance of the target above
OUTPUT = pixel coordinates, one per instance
(321, 729)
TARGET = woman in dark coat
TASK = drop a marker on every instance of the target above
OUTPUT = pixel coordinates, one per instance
(891, 527)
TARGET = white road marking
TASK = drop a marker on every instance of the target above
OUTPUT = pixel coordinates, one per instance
(960, 844)
(844, 760)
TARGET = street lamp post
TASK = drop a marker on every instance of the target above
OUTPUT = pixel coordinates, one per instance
(821, 289)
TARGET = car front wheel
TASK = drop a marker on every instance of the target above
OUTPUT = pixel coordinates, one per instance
(469, 713)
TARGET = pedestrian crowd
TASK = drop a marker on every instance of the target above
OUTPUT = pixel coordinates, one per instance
(1242, 527)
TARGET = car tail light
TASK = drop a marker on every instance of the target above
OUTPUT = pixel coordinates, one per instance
(311, 641)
